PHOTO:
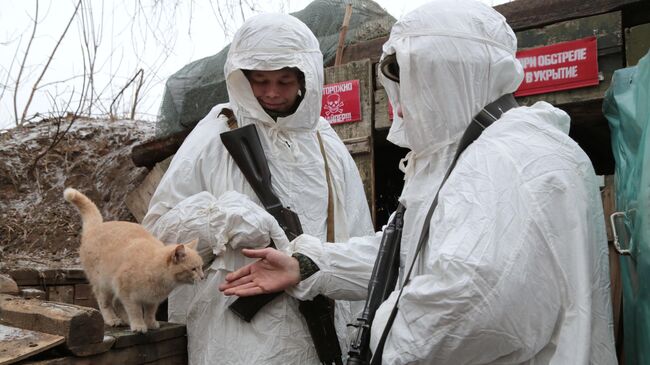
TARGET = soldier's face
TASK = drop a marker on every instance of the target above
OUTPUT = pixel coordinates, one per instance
(275, 90)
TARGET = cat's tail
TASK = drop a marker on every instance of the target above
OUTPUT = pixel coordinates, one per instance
(90, 215)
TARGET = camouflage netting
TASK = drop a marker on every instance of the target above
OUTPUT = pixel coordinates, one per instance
(192, 91)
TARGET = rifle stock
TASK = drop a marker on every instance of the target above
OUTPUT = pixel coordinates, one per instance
(245, 147)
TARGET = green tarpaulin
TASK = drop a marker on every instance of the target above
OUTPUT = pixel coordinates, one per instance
(627, 108)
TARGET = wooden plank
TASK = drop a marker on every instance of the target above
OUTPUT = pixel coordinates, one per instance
(126, 338)
(137, 201)
(17, 344)
(526, 14)
(616, 286)
(366, 171)
(61, 293)
(93, 348)
(173, 360)
(33, 293)
(156, 150)
(362, 71)
(134, 355)
(357, 145)
(381, 120)
(637, 43)
(79, 325)
(42, 277)
(83, 296)
(608, 196)
(608, 31)
(606, 27)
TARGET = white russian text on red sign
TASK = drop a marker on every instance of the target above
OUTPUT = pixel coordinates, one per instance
(561, 66)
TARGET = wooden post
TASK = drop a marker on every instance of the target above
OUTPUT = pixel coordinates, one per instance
(359, 134)
(342, 34)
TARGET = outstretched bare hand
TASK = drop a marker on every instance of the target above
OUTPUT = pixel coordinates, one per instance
(274, 272)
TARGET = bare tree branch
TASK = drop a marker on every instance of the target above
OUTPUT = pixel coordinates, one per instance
(58, 134)
(11, 66)
(22, 65)
(151, 21)
(137, 91)
(222, 21)
(59, 117)
(140, 72)
(91, 40)
(49, 60)
(241, 11)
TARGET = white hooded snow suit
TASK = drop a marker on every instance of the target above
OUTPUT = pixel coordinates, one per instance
(515, 269)
(195, 198)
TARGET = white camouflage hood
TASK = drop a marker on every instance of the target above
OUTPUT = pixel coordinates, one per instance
(453, 61)
(270, 43)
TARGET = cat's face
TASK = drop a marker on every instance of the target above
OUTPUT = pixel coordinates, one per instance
(186, 263)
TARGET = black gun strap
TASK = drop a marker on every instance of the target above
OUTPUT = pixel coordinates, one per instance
(480, 122)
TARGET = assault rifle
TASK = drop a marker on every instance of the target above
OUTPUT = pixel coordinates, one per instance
(382, 283)
(245, 148)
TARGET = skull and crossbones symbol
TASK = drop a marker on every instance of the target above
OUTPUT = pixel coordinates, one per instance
(333, 105)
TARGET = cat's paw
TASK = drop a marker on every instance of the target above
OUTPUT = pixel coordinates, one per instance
(153, 325)
(114, 322)
(142, 328)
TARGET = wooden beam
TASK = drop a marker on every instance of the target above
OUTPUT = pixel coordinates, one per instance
(42, 277)
(342, 33)
(149, 153)
(79, 325)
(137, 201)
(146, 353)
(526, 14)
(358, 145)
(124, 337)
(93, 348)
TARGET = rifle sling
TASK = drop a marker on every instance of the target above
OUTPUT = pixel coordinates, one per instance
(329, 349)
(330, 199)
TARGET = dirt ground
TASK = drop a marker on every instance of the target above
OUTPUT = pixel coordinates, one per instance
(38, 227)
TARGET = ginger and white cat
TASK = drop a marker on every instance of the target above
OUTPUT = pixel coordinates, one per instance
(125, 262)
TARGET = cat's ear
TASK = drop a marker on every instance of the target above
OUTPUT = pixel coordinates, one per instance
(178, 254)
(193, 244)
